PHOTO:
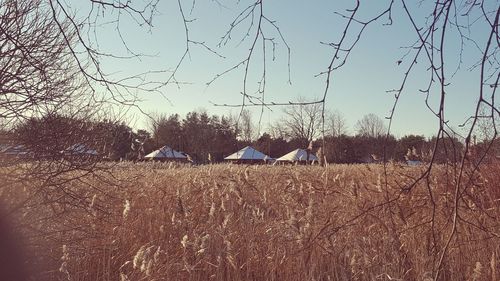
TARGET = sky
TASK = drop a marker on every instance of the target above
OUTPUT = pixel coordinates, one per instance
(358, 88)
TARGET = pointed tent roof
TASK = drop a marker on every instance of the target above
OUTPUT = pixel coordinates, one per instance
(298, 155)
(166, 152)
(248, 153)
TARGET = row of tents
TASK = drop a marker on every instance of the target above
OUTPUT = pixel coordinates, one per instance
(22, 151)
(245, 155)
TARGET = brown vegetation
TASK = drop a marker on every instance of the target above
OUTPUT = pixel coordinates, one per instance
(153, 221)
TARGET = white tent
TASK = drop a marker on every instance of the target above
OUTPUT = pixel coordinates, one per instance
(14, 150)
(80, 149)
(248, 154)
(4, 147)
(166, 153)
(298, 155)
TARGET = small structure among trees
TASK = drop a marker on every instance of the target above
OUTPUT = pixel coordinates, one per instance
(79, 152)
(301, 156)
(248, 155)
(166, 153)
(15, 151)
(80, 149)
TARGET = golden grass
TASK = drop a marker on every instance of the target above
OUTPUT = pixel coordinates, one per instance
(230, 222)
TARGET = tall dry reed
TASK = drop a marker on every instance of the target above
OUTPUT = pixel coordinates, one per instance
(230, 222)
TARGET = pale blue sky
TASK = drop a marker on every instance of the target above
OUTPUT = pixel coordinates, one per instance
(357, 89)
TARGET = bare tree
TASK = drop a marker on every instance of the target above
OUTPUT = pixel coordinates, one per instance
(243, 124)
(247, 128)
(370, 126)
(277, 131)
(39, 77)
(37, 71)
(50, 63)
(486, 125)
(335, 124)
(302, 121)
(48, 66)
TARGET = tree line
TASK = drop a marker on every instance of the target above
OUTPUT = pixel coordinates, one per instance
(210, 138)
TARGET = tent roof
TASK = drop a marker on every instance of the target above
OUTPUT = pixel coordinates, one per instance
(80, 148)
(298, 155)
(4, 146)
(166, 152)
(248, 153)
(14, 150)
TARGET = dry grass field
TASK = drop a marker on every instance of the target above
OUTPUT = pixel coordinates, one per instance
(230, 222)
